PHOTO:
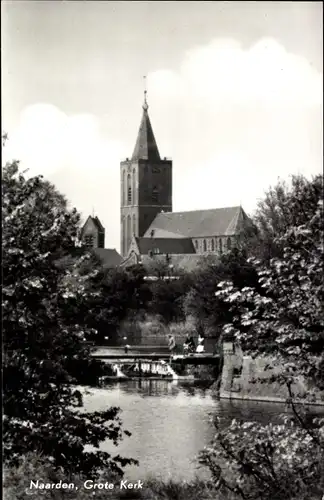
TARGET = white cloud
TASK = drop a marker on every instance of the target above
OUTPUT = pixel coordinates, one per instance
(264, 74)
(48, 140)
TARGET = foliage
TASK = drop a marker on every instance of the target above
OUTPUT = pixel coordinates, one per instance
(286, 316)
(44, 349)
(117, 294)
(201, 301)
(257, 462)
(168, 297)
(282, 317)
(281, 209)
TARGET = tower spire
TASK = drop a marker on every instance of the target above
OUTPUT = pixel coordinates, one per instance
(145, 147)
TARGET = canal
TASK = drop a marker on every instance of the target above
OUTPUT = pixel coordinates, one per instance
(170, 423)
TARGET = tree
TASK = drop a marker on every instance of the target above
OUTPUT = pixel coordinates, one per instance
(167, 299)
(265, 462)
(277, 212)
(167, 287)
(201, 302)
(44, 350)
(284, 318)
(117, 294)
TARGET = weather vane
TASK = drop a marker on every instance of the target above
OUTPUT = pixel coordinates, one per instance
(145, 92)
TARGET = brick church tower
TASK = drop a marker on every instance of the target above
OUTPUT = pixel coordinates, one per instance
(146, 185)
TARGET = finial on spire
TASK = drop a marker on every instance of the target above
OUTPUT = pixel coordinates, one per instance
(145, 105)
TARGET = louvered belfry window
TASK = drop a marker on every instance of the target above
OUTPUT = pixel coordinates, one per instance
(88, 240)
(155, 195)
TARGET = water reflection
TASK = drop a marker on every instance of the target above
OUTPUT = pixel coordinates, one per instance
(171, 422)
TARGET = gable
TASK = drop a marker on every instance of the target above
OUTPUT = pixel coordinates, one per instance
(133, 248)
(89, 227)
(92, 225)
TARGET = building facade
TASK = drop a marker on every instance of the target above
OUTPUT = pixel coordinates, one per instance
(93, 236)
(149, 227)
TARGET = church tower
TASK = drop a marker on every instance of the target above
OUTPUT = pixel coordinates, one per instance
(146, 184)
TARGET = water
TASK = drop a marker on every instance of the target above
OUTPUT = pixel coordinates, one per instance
(170, 423)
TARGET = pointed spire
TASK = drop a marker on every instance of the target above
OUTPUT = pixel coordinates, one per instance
(145, 147)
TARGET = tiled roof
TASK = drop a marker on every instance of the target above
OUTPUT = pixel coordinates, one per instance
(165, 245)
(199, 223)
(146, 147)
(108, 256)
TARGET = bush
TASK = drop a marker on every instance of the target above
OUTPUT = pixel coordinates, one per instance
(257, 461)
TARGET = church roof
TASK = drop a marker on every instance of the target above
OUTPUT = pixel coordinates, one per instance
(95, 220)
(165, 245)
(146, 147)
(198, 223)
(98, 224)
(109, 256)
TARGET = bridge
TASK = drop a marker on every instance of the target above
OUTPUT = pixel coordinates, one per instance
(137, 363)
(191, 359)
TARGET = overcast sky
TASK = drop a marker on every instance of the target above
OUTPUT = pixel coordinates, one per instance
(235, 92)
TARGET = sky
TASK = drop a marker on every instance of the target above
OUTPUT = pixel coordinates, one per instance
(235, 93)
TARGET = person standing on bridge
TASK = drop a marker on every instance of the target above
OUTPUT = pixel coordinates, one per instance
(200, 347)
(126, 346)
(189, 344)
(171, 343)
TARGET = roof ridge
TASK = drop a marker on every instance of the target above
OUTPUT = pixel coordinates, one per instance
(199, 210)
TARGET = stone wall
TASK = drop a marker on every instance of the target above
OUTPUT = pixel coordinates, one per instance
(252, 379)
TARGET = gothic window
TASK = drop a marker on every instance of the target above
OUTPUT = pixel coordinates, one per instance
(155, 195)
(229, 243)
(134, 224)
(196, 244)
(134, 186)
(212, 246)
(124, 248)
(220, 246)
(123, 187)
(128, 232)
(204, 246)
(89, 240)
(129, 190)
